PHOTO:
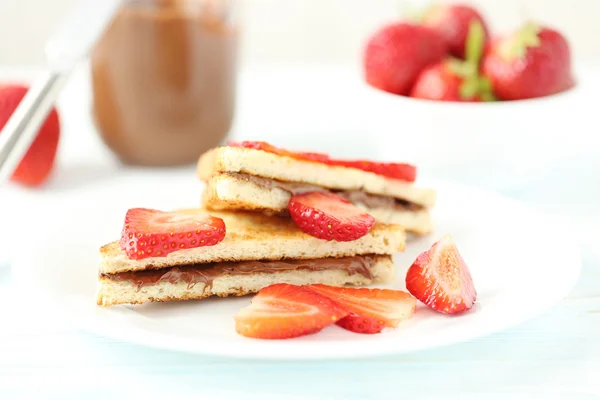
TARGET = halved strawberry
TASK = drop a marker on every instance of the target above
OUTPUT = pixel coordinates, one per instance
(400, 171)
(330, 217)
(370, 309)
(283, 311)
(154, 233)
(440, 278)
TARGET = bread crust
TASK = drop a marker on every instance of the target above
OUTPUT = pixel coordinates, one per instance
(112, 292)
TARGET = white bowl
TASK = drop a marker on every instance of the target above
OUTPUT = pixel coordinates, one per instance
(499, 145)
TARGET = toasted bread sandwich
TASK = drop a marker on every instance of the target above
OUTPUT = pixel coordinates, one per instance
(160, 256)
(259, 177)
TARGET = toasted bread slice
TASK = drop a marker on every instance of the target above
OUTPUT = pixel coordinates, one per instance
(112, 291)
(255, 236)
(233, 191)
(283, 168)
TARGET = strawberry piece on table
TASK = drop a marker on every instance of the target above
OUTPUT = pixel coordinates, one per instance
(283, 311)
(400, 171)
(371, 310)
(532, 62)
(457, 80)
(453, 22)
(153, 233)
(440, 278)
(330, 217)
(396, 54)
(37, 164)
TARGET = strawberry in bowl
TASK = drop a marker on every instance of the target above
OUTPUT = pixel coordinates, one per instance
(397, 53)
(457, 80)
(492, 115)
(532, 62)
(453, 23)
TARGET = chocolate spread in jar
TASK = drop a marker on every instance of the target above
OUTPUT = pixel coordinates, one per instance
(163, 80)
(206, 273)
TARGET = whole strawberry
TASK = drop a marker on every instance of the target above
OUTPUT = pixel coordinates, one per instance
(452, 22)
(454, 79)
(35, 168)
(532, 62)
(396, 54)
(446, 82)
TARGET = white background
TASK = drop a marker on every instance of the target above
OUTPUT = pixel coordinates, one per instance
(310, 30)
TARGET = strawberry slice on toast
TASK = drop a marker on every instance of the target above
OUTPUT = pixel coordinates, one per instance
(284, 311)
(440, 278)
(399, 171)
(330, 217)
(154, 233)
(371, 310)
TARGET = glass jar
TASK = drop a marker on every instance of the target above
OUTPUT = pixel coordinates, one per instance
(163, 80)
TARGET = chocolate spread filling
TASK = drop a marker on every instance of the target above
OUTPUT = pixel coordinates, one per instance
(354, 196)
(206, 273)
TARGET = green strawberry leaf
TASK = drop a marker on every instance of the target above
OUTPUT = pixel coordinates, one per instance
(474, 43)
(469, 88)
(461, 68)
(486, 91)
(476, 86)
(516, 47)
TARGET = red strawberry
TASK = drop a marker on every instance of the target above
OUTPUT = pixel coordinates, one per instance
(260, 145)
(370, 309)
(457, 80)
(404, 172)
(440, 278)
(442, 82)
(328, 216)
(153, 233)
(283, 311)
(361, 324)
(452, 22)
(35, 168)
(532, 62)
(397, 53)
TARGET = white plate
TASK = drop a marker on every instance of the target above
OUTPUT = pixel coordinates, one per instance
(520, 263)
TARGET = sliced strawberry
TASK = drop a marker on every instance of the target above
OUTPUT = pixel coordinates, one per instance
(153, 233)
(260, 145)
(403, 172)
(440, 278)
(283, 311)
(400, 171)
(330, 217)
(361, 324)
(374, 309)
